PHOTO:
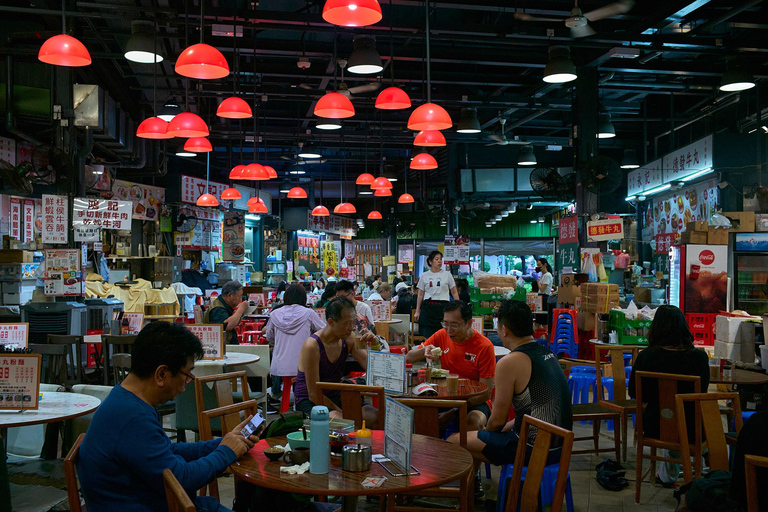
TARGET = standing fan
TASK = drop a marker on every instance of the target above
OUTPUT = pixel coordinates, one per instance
(546, 182)
(600, 175)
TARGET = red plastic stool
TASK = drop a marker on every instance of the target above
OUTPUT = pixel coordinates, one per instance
(397, 349)
(250, 337)
(287, 385)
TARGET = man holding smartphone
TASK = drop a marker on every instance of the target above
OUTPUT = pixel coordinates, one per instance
(125, 450)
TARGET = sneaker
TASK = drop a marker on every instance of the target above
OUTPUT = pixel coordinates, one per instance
(274, 400)
(479, 492)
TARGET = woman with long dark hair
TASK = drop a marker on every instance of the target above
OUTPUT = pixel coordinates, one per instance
(670, 350)
(436, 287)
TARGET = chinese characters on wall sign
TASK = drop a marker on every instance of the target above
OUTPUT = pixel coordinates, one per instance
(55, 218)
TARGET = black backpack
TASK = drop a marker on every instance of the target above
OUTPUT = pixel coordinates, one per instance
(708, 493)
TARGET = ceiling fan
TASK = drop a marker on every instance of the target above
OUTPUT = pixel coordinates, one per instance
(348, 91)
(501, 140)
(578, 22)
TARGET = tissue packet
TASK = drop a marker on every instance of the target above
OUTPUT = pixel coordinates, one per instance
(372, 482)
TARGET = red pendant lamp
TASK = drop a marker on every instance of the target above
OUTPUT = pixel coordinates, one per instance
(423, 162)
(334, 105)
(429, 117)
(374, 215)
(345, 208)
(429, 139)
(198, 145)
(254, 200)
(234, 108)
(207, 200)
(364, 179)
(258, 208)
(64, 50)
(393, 98)
(153, 128)
(271, 171)
(255, 172)
(187, 125)
(382, 192)
(352, 13)
(237, 172)
(320, 211)
(381, 183)
(202, 61)
(297, 193)
(403, 199)
(231, 193)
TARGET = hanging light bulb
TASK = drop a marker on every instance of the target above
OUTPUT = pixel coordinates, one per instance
(374, 215)
(429, 116)
(429, 139)
(382, 192)
(364, 179)
(64, 50)
(271, 171)
(352, 13)
(320, 211)
(297, 193)
(334, 105)
(187, 125)
(255, 172)
(231, 193)
(153, 128)
(393, 98)
(258, 208)
(141, 46)
(203, 62)
(381, 183)
(237, 172)
(198, 145)
(405, 198)
(207, 200)
(234, 108)
(423, 162)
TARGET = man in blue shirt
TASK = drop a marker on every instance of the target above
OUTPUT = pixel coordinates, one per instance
(125, 450)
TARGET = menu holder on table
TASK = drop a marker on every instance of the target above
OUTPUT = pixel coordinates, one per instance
(398, 430)
(14, 334)
(212, 338)
(387, 370)
(19, 381)
(381, 309)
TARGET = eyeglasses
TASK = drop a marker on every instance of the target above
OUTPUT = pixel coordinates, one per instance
(449, 326)
(189, 376)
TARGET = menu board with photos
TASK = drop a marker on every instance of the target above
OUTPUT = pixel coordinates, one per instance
(234, 236)
(14, 334)
(146, 199)
(670, 214)
(381, 309)
(212, 338)
(19, 381)
(62, 274)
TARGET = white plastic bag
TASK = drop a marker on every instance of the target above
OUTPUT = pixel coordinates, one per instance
(588, 267)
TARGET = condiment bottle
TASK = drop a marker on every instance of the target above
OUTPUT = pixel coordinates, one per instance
(363, 436)
(319, 441)
(409, 377)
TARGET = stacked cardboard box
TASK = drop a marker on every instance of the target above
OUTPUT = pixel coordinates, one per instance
(695, 233)
(735, 339)
(599, 297)
(570, 288)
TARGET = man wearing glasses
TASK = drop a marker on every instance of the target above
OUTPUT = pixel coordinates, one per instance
(125, 450)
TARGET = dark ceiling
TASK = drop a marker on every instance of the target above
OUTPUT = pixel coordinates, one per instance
(482, 56)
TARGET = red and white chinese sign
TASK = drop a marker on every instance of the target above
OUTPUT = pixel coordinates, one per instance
(212, 338)
(16, 218)
(55, 218)
(103, 213)
(608, 229)
(569, 230)
(688, 160)
(29, 220)
(192, 188)
(456, 249)
(664, 242)
(15, 334)
(19, 381)
(331, 224)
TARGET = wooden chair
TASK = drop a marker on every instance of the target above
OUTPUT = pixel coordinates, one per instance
(669, 435)
(121, 366)
(53, 367)
(351, 399)
(620, 403)
(258, 370)
(382, 329)
(114, 344)
(175, 495)
(528, 496)
(416, 338)
(709, 425)
(74, 357)
(224, 385)
(751, 462)
(426, 422)
(70, 475)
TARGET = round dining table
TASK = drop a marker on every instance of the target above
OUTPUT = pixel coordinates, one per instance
(741, 378)
(230, 359)
(55, 406)
(468, 389)
(437, 461)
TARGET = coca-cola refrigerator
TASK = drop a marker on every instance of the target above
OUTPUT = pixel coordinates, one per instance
(698, 285)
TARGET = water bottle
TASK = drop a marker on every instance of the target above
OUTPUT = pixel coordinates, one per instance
(319, 441)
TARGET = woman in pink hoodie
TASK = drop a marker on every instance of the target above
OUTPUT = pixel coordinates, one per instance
(287, 329)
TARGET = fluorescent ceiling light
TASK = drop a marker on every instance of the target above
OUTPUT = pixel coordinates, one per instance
(630, 198)
(658, 189)
(297, 172)
(366, 192)
(248, 216)
(698, 174)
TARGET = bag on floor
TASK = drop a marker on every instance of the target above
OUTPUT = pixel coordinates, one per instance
(708, 493)
(610, 475)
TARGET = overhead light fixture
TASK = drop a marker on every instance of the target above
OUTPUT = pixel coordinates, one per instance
(381, 183)
(527, 157)
(423, 162)
(364, 179)
(429, 139)
(297, 193)
(541, 220)
(512, 208)
(698, 174)
(405, 198)
(529, 206)
(641, 197)
(630, 160)
(488, 224)
(334, 105)
(256, 199)
(203, 62)
(374, 215)
(736, 80)
(153, 128)
(393, 98)
(656, 190)
(169, 111)
(234, 108)
(382, 192)
(390, 174)
(345, 208)
(258, 208)
(271, 172)
(630, 198)
(64, 50)
(352, 13)
(187, 125)
(237, 172)
(328, 124)
(429, 116)
(285, 188)
(231, 193)
(320, 211)
(468, 122)
(606, 129)
(255, 172)
(141, 46)
(253, 217)
(504, 213)
(365, 60)
(560, 68)
(207, 200)
(181, 151)
(534, 221)
(198, 145)
(309, 151)
(366, 192)
(296, 171)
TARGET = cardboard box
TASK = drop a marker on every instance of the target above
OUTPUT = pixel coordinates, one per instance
(600, 297)
(717, 236)
(697, 226)
(16, 256)
(761, 222)
(570, 287)
(693, 237)
(642, 294)
(734, 330)
(585, 321)
(742, 222)
(739, 352)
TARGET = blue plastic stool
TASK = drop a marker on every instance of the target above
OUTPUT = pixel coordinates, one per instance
(745, 415)
(547, 486)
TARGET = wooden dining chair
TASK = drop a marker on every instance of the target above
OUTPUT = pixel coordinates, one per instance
(426, 422)
(114, 344)
(352, 399)
(669, 385)
(416, 338)
(525, 493)
(74, 357)
(53, 368)
(121, 366)
(175, 495)
(620, 402)
(708, 424)
(70, 475)
(382, 329)
(221, 393)
(751, 463)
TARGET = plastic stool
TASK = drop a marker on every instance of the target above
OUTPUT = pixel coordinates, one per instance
(547, 489)
(285, 404)
(745, 415)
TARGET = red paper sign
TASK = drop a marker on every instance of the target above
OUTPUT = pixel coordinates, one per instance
(16, 218)
(29, 220)
(609, 229)
(664, 243)
(569, 230)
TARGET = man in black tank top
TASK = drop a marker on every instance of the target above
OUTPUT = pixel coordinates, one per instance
(530, 380)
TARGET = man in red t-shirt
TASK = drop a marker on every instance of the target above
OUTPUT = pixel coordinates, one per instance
(465, 352)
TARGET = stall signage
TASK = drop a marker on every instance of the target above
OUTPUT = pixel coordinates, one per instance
(672, 213)
(405, 254)
(19, 381)
(456, 250)
(644, 178)
(146, 199)
(688, 160)
(85, 233)
(16, 218)
(664, 242)
(55, 218)
(388, 261)
(14, 334)
(62, 272)
(331, 224)
(569, 230)
(349, 250)
(29, 220)
(192, 188)
(568, 257)
(104, 213)
(234, 236)
(212, 338)
(607, 229)
(308, 255)
(330, 257)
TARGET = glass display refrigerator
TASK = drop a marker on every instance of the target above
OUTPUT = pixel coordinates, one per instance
(751, 273)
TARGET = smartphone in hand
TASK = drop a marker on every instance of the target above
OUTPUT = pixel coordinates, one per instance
(254, 427)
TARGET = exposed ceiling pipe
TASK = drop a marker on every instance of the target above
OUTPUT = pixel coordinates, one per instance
(734, 100)
(605, 78)
(728, 14)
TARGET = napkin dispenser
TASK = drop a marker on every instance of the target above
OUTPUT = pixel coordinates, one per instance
(356, 458)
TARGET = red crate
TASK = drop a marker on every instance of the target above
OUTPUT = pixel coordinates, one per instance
(702, 327)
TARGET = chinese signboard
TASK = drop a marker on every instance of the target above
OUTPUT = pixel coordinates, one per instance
(309, 252)
(569, 230)
(15, 334)
(608, 229)
(134, 322)
(55, 218)
(212, 338)
(62, 272)
(675, 166)
(456, 250)
(19, 381)
(104, 213)
(568, 257)
(146, 199)
(644, 178)
(331, 224)
(16, 218)
(87, 233)
(29, 220)
(192, 188)
(234, 236)
(330, 257)
(664, 242)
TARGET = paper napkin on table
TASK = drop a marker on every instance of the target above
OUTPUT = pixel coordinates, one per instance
(295, 470)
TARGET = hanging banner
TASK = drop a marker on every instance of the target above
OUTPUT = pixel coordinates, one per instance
(607, 229)
(331, 224)
(16, 218)
(146, 199)
(234, 236)
(192, 188)
(55, 219)
(569, 230)
(104, 213)
(456, 250)
(29, 220)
